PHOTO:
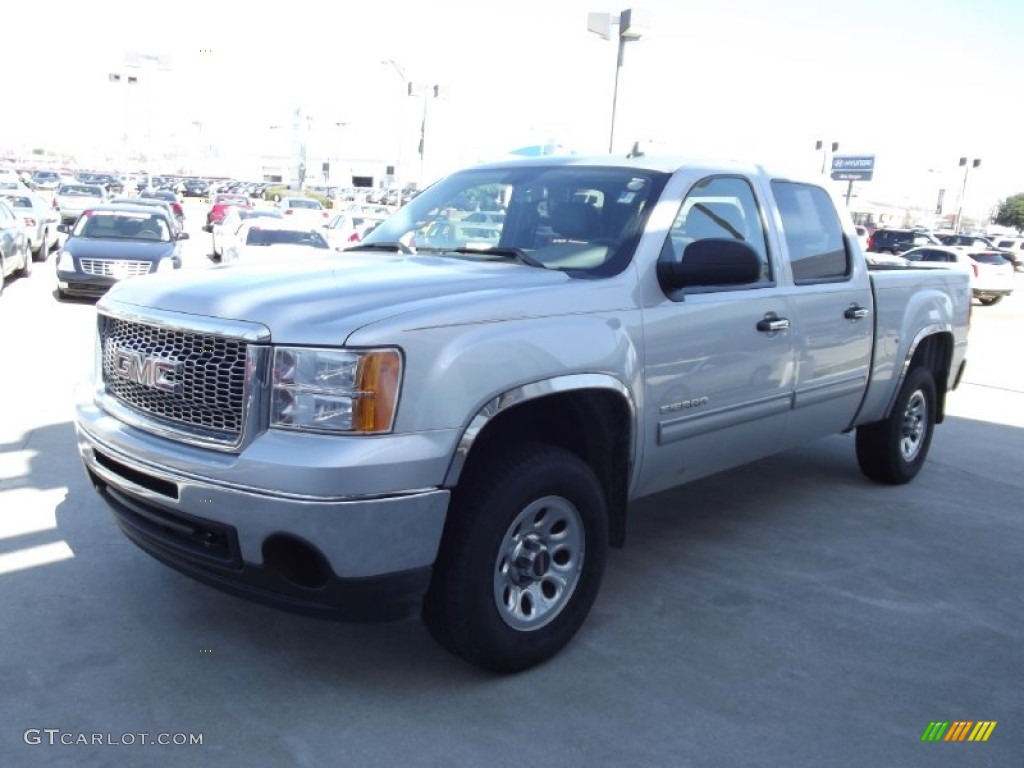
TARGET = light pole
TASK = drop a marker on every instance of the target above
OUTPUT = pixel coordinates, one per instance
(153, 63)
(401, 142)
(427, 92)
(338, 125)
(963, 189)
(600, 24)
(198, 161)
(125, 81)
(822, 147)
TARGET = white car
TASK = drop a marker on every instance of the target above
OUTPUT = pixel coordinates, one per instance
(72, 199)
(225, 231)
(304, 209)
(347, 229)
(40, 219)
(991, 274)
(263, 239)
(1014, 245)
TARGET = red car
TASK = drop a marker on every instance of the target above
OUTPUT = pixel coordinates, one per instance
(219, 206)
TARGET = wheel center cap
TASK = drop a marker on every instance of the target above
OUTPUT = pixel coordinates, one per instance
(531, 562)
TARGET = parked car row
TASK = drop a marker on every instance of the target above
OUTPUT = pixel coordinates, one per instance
(991, 274)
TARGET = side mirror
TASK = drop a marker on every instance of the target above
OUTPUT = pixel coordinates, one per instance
(712, 261)
(182, 236)
(64, 229)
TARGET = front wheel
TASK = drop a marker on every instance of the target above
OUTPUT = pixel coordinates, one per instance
(988, 301)
(894, 450)
(521, 560)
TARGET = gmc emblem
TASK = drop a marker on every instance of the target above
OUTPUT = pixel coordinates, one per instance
(154, 372)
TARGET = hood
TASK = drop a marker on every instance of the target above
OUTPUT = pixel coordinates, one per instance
(99, 248)
(324, 300)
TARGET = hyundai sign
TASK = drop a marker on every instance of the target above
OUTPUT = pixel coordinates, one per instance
(853, 167)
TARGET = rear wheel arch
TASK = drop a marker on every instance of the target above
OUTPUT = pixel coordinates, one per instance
(932, 350)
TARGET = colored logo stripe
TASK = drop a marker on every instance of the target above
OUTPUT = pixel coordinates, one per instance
(982, 730)
(958, 730)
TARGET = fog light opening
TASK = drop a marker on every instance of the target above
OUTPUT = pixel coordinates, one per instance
(295, 561)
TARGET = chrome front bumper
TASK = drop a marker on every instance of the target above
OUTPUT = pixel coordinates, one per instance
(226, 520)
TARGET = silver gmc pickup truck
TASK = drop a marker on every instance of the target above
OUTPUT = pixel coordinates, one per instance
(452, 420)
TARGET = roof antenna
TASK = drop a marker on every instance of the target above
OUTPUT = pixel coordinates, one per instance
(635, 151)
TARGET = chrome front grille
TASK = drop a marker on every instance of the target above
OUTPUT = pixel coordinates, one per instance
(201, 389)
(119, 268)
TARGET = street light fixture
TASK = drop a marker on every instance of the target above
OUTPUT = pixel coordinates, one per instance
(974, 163)
(629, 29)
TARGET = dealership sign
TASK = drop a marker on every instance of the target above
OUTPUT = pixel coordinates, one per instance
(853, 167)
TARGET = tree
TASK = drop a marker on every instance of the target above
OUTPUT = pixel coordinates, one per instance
(1011, 213)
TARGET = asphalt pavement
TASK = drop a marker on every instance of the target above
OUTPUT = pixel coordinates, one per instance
(788, 613)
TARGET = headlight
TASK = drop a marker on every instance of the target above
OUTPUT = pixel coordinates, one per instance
(65, 262)
(335, 390)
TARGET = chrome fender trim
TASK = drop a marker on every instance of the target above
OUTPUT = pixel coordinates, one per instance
(928, 330)
(532, 391)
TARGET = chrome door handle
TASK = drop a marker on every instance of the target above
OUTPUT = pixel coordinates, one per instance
(773, 323)
(856, 313)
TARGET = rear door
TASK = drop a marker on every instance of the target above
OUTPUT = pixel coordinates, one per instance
(833, 326)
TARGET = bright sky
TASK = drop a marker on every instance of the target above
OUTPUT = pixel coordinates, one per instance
(917, 84)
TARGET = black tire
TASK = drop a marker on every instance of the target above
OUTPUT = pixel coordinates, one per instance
(521, 559)
(894, 450)
(26, 267)
(42, 252)
(988, 301)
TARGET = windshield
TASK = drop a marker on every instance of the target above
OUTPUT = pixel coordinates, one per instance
(314, 204)
(585, 220)
(116, 225)
(19, 202)
(258, 236)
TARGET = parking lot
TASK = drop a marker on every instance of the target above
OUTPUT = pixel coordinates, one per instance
(789, 613)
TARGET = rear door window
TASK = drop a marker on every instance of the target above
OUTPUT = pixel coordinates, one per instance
(814, 235)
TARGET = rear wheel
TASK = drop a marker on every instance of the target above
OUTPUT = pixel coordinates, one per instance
(522, 558)
(894, 450)
(26, 264)
(40, 253)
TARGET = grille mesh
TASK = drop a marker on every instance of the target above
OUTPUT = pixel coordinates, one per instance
(115, 268)
(210, 383)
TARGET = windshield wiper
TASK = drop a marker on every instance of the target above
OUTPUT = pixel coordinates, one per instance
(516, 253)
